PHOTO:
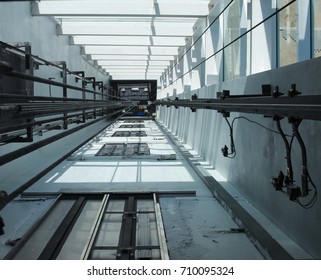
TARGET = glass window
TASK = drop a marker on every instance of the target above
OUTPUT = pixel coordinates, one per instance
(232, 31)
(317, 29)
(288, 33)
(80, 234)
(109, 230)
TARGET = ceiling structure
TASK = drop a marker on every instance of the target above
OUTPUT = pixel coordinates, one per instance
(129, 39)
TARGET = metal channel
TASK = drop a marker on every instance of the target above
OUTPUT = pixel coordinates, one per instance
(93, 233)
(160, 230)
(56, 242)
(128, 231)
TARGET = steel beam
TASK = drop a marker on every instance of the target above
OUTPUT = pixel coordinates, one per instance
(7, 70)
(301, 107)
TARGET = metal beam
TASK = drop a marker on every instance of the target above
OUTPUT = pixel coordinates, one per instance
(301, 107)
(125, 8)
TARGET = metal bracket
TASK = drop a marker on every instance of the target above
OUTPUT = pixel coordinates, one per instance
(292, 91)
(276, 93)
(1, 226)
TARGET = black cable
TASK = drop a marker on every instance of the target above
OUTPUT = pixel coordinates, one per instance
(288, 147)
(305, 171)
(232, 145)
(261, 125)
(231, 127)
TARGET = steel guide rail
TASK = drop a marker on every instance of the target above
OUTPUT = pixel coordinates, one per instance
(40, 61)
(6, 70)
(301, 107)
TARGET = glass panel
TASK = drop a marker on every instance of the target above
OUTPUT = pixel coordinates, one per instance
(119, 150)
(106, 150)
(143, 149)
(116, 205)
(110, 230)
(138, 133)
(288, 33)
(80, 234)
(111, 150)
(232, 60)
(131, 149)
(317, 28)
(154, 253)
(145, 205)
(146, 230)
(33, 247)
(103, 255)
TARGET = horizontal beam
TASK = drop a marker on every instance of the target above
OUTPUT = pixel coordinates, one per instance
(134, 63)
(128, 40)
(141, 50)
(102, 57)
(128, 28)
(124, 8)
(301, 107)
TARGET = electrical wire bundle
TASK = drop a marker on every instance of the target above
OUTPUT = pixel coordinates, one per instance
(288, 145)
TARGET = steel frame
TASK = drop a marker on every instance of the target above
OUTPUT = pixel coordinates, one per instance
(127, 240)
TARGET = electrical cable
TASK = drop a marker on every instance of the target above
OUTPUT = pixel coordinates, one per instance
(232, 145)
(305, 171)
(231, 127)
(251, 121)
(288, 147)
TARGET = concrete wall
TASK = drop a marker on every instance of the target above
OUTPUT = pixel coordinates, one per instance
(260, 153)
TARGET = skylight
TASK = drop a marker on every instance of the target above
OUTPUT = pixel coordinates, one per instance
(126, 38)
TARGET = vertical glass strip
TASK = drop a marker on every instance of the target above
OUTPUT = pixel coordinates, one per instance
(288, 33)
(317, 29)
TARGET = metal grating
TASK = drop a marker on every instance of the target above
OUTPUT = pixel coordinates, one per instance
(134, 121)
(129, 134)
(124, 149)
(132, 126)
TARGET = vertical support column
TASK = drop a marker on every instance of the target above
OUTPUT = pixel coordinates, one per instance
(29, 85)
(92, 80)
(101, 88)
(83, 82)
(95, 97)
(65, 95)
